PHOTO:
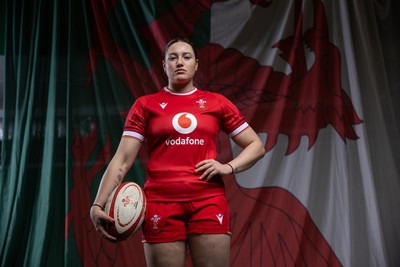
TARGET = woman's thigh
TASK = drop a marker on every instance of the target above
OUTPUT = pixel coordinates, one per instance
(170, 254)
(209, 250)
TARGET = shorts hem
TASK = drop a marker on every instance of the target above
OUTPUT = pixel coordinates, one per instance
(168, 240)
(163, 240)
(209, 232)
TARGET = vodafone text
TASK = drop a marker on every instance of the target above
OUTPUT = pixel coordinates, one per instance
(184, 141)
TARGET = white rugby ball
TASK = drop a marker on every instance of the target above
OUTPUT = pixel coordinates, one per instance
(126, 205)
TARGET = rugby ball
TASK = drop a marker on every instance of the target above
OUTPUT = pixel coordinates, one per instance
(126, 205)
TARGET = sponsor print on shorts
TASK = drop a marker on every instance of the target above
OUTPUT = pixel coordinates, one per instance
(155, 219)
(220, 218)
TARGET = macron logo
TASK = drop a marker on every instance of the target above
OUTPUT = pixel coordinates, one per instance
(220, 218)
(163, 105)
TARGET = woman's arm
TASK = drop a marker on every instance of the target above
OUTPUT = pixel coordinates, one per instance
(253, 150)
(120, 164)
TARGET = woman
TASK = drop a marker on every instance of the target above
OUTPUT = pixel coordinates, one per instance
(186, 203)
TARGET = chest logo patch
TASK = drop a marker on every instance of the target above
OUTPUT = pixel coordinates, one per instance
(201, 103)
(163, 105)
(184, 122)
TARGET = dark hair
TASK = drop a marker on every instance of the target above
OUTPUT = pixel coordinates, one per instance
(180, 39)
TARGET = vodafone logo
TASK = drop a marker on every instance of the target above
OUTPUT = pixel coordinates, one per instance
(184, 122)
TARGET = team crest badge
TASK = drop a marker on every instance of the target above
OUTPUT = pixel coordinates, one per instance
(201, 103)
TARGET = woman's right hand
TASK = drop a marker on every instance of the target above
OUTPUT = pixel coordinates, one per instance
(100, 219)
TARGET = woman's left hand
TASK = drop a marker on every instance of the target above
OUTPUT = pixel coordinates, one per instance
(211, 168)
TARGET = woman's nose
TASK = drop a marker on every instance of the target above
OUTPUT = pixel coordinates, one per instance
(179, 62)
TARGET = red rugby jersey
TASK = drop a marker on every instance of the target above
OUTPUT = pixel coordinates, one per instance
(181, 130)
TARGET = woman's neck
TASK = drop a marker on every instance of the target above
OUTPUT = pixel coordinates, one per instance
(180, 88)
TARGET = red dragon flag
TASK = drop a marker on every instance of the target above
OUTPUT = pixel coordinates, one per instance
(291, 70)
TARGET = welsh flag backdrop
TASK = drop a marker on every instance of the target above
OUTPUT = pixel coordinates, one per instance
(317, 80)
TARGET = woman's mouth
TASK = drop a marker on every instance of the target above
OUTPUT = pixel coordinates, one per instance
(180, 71)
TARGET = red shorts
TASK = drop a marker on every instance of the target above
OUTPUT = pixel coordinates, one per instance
(173, 221)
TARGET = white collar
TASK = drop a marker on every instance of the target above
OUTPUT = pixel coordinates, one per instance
(186, 93)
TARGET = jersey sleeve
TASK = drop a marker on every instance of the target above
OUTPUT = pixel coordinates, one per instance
(233, 121)
(135, 123)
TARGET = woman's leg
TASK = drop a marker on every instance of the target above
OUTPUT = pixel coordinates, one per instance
(170, 254)
(209, 250)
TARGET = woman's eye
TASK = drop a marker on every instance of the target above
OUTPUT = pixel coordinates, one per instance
(185, 57)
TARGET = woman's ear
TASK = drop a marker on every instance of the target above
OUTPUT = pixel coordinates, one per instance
(163, 65)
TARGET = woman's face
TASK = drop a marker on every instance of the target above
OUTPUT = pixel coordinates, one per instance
(180, 63)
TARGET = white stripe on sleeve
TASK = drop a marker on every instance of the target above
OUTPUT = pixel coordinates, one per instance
(239, 129)
(133, 134)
